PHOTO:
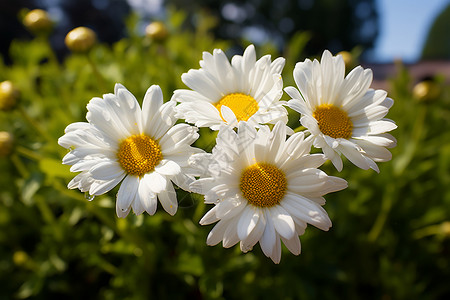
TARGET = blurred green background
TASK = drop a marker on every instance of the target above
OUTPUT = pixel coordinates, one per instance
(391, 231)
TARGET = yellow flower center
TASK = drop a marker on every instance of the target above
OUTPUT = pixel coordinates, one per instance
(243, 106)
(263, 185)
(333, 121)
(139, 154)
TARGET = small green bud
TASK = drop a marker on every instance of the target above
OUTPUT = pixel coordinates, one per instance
(80, 39)
(426, 90)
(6, 143)
(156, 31)
(38, 22)
(9, 95)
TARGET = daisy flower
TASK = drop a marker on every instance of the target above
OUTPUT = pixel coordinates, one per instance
(140, 149)
(342, 114)
(223, 93)
(264, 189)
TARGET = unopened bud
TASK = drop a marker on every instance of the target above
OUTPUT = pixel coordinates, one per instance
(445, 228)
(20, 258)
(6, 143)
(9, 95)
(80, 39)
(156, 31)
(426, 90)
(38, 21)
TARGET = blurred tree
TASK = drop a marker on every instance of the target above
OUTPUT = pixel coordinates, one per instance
(437, 45)
(335, 25)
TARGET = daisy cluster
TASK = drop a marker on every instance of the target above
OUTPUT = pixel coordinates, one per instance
(261, 179)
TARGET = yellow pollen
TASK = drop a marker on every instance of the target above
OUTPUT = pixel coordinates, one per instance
(263, 185)
(243, 106)
(333, 121)
(139, 154)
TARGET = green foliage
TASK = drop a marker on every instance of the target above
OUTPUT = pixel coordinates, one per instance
(390, 234)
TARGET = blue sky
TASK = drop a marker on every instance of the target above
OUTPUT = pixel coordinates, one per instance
(404, 25)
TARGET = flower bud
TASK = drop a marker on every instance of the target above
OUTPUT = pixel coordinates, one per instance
(426, 90)
(445, 228)
(20, 258)
(9, 95)
(80, 39)
(6, 143)
(156, 31)
(38, 21)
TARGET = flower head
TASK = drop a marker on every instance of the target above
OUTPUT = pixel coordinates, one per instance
(264, 188)
(342, 114)
(140, 148)
(223, 93)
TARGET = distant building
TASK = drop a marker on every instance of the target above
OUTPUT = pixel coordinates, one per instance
(418, 71)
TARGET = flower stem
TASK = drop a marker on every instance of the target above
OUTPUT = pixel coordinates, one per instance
(28, 153)
(98, 75)
(19, 165)
(390, 193)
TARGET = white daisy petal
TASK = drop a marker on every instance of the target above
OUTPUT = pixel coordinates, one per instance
(267, 241)
(276, 253)
(229, 116)
(177, 136)
(153, 100)
(127, 192)
(106, 170)
(216, 234)
(99, 187)
(307, 210)
(283, 222)
(256, 233)
(137, 206)
(130, 107)
(381, 126)
(382, 140)
(199, 81)
(183, 181)
(168, 199)
(162, 121)
(121, 213)
(355, 156)
(148, 199)
(157, 182)
(230, 236)
(292, 244)
(229, 208)
(210, 217)
(168, 168)
(247, 222)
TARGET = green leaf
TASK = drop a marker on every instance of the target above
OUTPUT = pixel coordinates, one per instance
(54, 168)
